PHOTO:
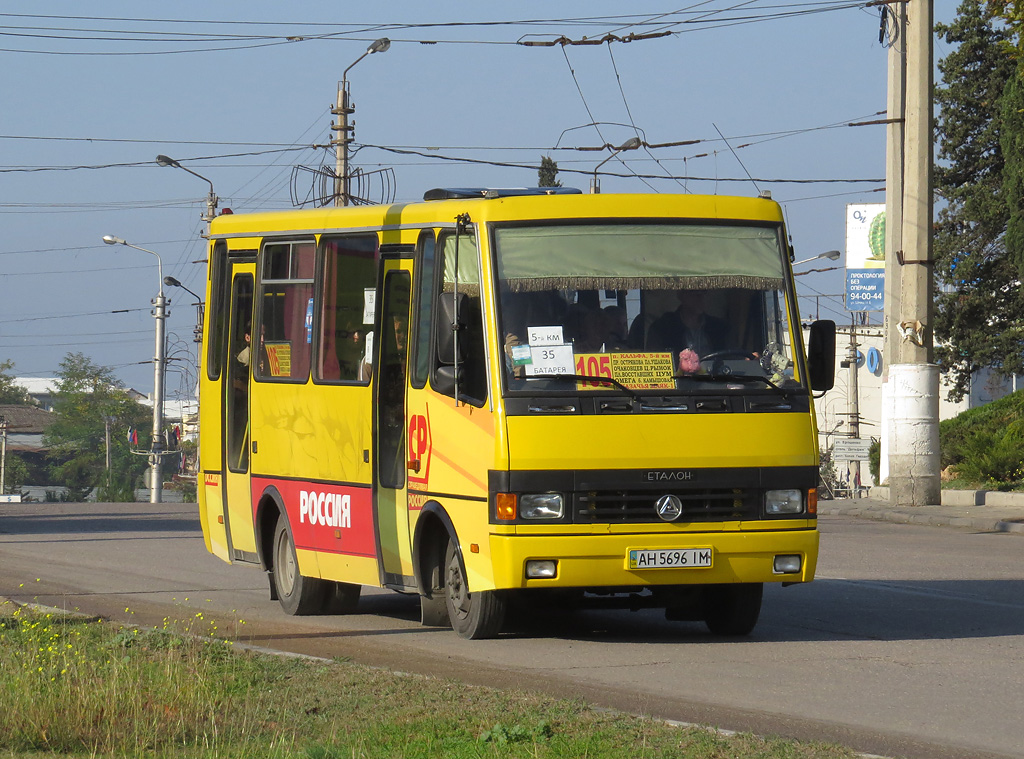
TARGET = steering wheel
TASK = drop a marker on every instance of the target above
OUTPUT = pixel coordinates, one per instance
(717, 356)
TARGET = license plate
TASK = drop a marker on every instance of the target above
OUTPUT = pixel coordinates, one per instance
(669, 558)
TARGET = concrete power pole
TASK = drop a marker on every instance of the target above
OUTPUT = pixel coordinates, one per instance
(854, 402)
(343, 136)
(913, 379)
(895, 111)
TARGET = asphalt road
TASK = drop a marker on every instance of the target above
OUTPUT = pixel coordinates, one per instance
(909, 643)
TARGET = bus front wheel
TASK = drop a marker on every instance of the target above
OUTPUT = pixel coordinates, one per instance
(732, 609)
(473, 615)
(298, 595)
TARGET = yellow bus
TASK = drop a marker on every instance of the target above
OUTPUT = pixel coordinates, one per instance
(503, 396)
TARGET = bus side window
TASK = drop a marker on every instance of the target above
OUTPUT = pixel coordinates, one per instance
(217, 338)
(282, 344)
(420, 361)
(471, 358)
(349, 273)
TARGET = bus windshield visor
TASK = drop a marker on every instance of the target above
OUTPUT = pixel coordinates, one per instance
(649, 307)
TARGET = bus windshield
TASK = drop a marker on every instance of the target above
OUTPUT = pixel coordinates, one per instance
(655, 307)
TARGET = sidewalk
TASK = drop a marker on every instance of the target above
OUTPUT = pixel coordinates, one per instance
(968, 509)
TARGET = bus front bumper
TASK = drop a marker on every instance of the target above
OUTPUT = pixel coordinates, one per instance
(603, 561)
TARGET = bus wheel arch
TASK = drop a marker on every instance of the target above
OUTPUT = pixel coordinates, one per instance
(297, 594)
(268, 510)
(434, 530)
(442, 580)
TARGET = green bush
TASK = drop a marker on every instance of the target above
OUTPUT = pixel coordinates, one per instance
(955, 434)
(994, 458)
(985, 445)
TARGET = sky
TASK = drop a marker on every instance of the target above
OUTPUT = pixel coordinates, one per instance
(241, 93)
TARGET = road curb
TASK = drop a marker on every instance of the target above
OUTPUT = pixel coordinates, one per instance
(923, 517)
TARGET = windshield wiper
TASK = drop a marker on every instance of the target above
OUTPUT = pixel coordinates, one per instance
(588, 378)
(740, 378)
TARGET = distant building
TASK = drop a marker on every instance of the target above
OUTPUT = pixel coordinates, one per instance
(40, 389)
(25, 428)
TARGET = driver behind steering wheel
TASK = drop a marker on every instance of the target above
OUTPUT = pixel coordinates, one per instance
(689, 326)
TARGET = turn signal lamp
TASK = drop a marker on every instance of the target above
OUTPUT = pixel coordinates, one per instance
(812, 501)
(505, 506)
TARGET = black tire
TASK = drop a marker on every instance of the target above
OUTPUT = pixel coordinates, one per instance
(298, 595)
(342, 598)
(732, 609)
(473, 616)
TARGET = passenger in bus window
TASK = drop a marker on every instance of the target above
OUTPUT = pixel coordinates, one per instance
(585, 328)
(244, 355)
(616, 329)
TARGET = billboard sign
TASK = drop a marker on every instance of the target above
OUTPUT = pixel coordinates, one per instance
(865, 256)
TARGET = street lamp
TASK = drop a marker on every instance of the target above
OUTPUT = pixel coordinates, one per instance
(211, 196)
(197, 333)
(831, 255)
(631, 144)
(159, 366)
(346, 133)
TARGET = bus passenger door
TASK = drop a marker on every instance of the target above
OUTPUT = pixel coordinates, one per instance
(241, 353)
(391, 501)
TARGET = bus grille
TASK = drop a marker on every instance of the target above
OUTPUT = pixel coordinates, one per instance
(636, 506)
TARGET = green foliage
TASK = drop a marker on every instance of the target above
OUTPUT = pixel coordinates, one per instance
(503, 735)
(81, 688)
(11, 392)
(1011, 12)
(1000, 414)
(15, 473)
(116, 489)
(875, 460)
(985, 445)
(86, 396)
(994, 458)
(980, 305)
(547, 173)
(1011, 141)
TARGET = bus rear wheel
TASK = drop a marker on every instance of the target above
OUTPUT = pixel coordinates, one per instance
(732, 609)
(473, 615)
(298, 595)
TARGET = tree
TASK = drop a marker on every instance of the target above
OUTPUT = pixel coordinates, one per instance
(1011, 12)
(980, 304)
(10, 391)
(87, 397)
(547, 173)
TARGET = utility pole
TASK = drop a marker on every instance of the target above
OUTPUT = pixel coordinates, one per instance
(343, 135)
(854, 400)
(894, 134)
(345, 132)
(914, 452)
(106, 435)
(156, 447)
(3, 455)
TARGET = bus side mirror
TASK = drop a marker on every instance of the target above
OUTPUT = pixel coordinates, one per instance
(444, 380)
(449, 319)
(821, 354)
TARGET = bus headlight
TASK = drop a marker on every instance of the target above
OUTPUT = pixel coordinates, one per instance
(541, 506)
(784, 502)
(787, 564)
(541, 569)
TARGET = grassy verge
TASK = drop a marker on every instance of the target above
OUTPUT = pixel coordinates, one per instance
(80, 687)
